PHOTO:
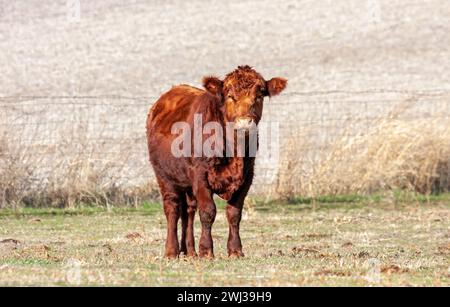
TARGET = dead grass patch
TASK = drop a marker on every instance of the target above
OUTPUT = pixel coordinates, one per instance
(394, 153)
(393, 269)
(67, 174)
(338, 273)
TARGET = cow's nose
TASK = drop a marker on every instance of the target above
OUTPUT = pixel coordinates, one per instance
(244, 123)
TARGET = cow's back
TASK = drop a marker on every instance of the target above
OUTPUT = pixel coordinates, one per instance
(177, 105)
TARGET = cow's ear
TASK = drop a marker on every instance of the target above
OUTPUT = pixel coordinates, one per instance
(276, 86)
(213, 85)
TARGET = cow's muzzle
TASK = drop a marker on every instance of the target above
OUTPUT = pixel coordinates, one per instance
(244, 123)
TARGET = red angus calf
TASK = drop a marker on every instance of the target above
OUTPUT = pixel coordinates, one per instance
(189, 182)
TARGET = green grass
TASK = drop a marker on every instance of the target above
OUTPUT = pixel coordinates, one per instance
(145, 209)
(331, 242)
(396, 196)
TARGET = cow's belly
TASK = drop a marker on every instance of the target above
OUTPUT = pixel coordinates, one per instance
(166, 166)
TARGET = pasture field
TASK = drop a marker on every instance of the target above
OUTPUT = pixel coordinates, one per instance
(353, 242)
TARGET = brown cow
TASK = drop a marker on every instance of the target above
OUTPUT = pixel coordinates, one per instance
(188, 182)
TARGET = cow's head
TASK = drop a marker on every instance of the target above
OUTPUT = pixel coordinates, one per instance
(242, 93)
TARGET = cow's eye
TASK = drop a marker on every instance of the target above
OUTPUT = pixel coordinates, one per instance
(231, 98)
(263, 91)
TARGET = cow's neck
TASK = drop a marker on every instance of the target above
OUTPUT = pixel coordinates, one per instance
(230, 172)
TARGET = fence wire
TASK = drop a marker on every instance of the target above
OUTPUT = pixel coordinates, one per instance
(110, 129)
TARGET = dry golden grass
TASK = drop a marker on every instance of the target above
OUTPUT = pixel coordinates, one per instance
(15, 171)
(394, 153)
(73, 177)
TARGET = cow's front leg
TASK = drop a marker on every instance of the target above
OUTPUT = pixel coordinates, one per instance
(207, 212)
(234, 214)
(234, 245)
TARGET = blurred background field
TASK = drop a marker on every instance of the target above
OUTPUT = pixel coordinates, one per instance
(366, 109)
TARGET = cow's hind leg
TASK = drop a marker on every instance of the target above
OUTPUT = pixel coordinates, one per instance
(188, 216)
(184, 226)
(172, 209)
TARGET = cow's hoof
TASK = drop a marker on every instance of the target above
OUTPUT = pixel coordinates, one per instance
(208, 254)
(236, 254)
(192, 254)
(172, 254)
(171, 257)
